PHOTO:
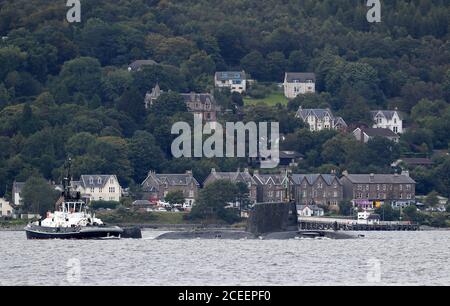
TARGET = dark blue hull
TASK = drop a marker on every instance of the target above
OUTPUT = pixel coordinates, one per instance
(40, 232)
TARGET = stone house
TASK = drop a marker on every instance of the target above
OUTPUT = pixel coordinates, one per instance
(156, 186)
(298, 83)
(235, 177)
(319, 189)
(271, 187)
(203, 104)
(368, 191)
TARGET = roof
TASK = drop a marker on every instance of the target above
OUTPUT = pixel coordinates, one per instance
(318, 112)
(136, 65)
(379, 132)
(230, 75)
(172, 179)
(142, 203)
(17, 186)
(312, 178)
(300, 77)
(379, 179)
(200, 98)
(264, 179)
(313, 207)
(237, 176)
(388, 114)
(95, 180)
(290, 154)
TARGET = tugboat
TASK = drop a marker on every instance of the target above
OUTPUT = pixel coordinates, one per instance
(72, 219)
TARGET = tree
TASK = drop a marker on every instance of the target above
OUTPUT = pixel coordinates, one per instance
(387, 213)
(132, 103)
(175, 197)
(168, 104)
(212, 201)
(145, 155)
(432, 199)
(38, 196)
(345, 208)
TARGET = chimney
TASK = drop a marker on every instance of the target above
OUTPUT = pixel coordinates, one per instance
(372, 177)
(213, 170)
(405, 173)
(345, 173)
(246, 170)
(256, 172)
(189, 172)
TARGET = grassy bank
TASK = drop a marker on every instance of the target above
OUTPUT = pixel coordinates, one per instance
(272, 99)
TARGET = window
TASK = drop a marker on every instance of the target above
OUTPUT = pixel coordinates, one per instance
(100, 190)
(99, 180)
(395, 129)
(191, 193)
(91, 180)
(112, 189)
(335, 194)
(270, 194)
(92, 189)
(111, 181)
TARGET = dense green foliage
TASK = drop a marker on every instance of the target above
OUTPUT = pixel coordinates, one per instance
(65, 88)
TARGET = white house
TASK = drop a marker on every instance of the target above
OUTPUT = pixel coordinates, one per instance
(367, 217)
(17, 193)
(298, 83)
(99, 187)
(309, 211)
(6, 210)
(320, 119)
(386, 119)
(234, 80)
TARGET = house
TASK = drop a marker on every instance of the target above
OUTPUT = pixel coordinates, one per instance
(366, 134)
(271, 187)
(320, 189)
(6, 210)
(233, 80)
(140, 64)
(367, 217)
(321, 119)
(151, 97)
(309, 211)
(156, 186)
(235, 177)
(287, 159)
(143, 205)
(96, 187)
(17, 193)
(298, 83)
(387, 119)
(368, 191)
(203, 104)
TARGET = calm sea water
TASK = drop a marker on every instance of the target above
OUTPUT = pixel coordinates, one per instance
(399, 258)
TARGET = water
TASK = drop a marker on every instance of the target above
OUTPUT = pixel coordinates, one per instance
(397, 258)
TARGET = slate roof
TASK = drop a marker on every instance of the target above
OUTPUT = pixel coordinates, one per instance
(312, 178)
(313, 207)
(98, 181)
(318, 112)
(230, 75)
(380, 132)
(388, 114)
(237, 176)
(300, 77)
(177, 179)
(379, 179)
(136, 65)
(264, 179)
(201, 98)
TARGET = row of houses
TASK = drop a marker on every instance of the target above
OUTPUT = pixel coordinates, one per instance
(366, 191)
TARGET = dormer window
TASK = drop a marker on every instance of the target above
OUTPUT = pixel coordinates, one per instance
(99, 180)
(91, 180)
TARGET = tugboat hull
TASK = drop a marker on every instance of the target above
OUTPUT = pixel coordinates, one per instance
(39, 232)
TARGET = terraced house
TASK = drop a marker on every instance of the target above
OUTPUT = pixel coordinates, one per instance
(235, 177)
(156, 186)
(321, 119)
(368, 191)
(271, 187)
(318, 189)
